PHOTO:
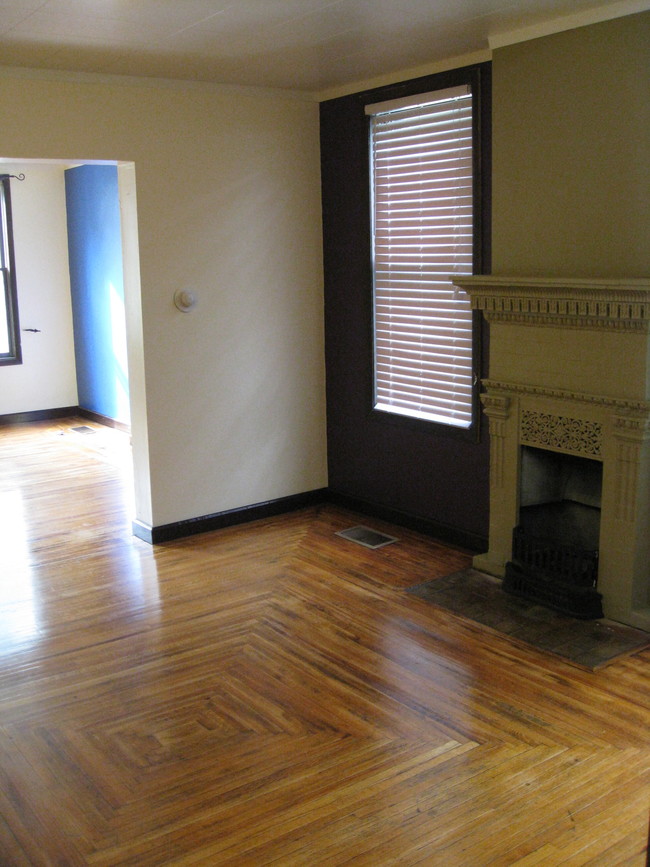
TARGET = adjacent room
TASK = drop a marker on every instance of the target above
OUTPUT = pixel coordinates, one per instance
(319, 316)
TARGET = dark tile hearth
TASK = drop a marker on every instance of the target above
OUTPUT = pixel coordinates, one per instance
(480, 597)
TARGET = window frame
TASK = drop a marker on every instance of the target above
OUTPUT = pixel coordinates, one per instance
(478, 78)
(8, 268)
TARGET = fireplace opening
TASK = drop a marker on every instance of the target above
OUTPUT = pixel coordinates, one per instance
(556, 540)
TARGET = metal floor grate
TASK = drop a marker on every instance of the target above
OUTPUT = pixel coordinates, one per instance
(367, 537)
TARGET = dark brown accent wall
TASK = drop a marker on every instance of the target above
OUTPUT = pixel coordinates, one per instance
(414, 470)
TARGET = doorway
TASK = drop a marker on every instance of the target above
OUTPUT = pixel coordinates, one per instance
(46, 381)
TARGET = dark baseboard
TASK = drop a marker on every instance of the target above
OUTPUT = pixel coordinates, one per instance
(62, 412)
(39, 415)
(220, 520)
(206, 523)
(103, 419)
(471, 542)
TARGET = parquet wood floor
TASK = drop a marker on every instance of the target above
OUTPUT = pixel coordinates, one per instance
(269, 695)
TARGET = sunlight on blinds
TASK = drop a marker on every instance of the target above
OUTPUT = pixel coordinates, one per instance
(423, 232)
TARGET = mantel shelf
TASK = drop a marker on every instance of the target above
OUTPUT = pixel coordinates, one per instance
(570, 302)
(566, 286)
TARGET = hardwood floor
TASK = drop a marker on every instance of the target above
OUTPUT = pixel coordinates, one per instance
(268, 694)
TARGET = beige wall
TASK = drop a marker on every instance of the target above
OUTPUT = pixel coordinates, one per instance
(571, 171)
(231, 396)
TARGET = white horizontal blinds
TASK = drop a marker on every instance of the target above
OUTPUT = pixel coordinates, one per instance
(4, 281)
(423, 232)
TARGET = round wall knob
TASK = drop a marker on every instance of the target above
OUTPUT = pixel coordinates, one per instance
(185, 300)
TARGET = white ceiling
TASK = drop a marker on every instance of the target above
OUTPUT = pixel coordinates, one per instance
(309, 45)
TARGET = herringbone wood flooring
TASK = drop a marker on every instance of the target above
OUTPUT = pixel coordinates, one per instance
(268, 694)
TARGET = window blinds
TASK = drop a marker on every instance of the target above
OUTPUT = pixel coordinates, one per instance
(421, 162)
(5, 342)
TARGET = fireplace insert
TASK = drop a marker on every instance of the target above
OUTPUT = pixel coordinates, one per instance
(555, 543)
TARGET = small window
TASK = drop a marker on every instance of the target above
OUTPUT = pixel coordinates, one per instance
(422, 158)
(9, 329)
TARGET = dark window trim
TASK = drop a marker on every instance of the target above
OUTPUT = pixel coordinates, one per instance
(9, 280)
(479, 77)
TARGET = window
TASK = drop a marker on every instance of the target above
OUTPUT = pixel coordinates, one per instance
(422, 158)
(9, 330)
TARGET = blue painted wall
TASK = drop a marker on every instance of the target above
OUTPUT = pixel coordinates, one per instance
(96, 278)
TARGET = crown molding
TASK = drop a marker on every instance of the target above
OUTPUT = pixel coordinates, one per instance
(432, 68)
(568, 22)
(150, 82)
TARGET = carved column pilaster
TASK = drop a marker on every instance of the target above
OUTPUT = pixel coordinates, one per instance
(631, 433)
(497, 409)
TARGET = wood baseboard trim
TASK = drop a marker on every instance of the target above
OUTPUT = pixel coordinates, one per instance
(38, 415)
(204, 524)
(471, 542)
(103, 419)
(62, 412)
(220, 520)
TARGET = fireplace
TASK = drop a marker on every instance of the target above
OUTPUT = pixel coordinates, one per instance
(555, 544)
(568, 404)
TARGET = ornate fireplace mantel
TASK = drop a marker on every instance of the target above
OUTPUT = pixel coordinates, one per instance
(570, 373)
(597, 304)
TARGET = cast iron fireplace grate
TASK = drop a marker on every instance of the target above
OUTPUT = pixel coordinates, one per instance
(555, 559)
